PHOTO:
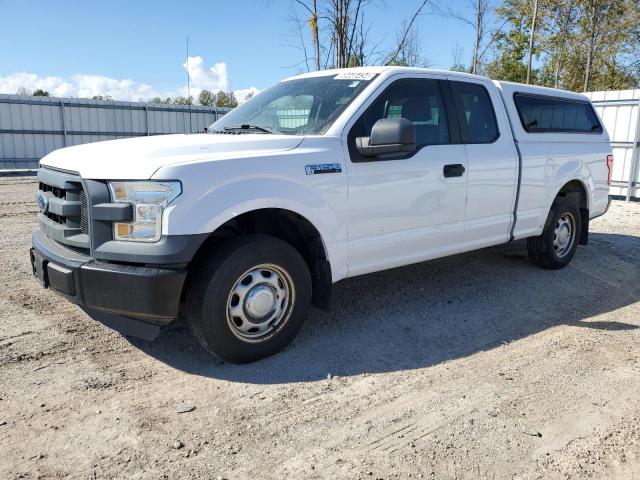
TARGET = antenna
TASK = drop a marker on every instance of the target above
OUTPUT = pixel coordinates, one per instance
(188, 80)
(188, 88)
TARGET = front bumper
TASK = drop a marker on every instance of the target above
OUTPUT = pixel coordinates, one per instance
(149, 293)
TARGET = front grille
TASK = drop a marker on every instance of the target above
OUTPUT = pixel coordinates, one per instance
(55, 192)
(63, 217)
(84, 216)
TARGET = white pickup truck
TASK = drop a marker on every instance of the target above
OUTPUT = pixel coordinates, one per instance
(321, 177)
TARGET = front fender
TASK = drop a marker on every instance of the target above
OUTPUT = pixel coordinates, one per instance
(206, 204)
(205, 213)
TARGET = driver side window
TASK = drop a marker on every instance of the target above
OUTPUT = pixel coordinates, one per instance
(417, 100)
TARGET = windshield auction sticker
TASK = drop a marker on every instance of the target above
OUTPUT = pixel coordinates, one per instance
(355, 76)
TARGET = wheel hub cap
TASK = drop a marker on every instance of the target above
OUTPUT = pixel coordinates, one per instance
(260, 302)
(564, 234)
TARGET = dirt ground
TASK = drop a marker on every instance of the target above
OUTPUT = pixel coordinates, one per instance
(474, 366)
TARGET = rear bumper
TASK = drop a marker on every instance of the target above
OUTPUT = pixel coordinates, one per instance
(149, 293)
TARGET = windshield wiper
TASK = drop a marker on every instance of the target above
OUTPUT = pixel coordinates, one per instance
(246, 126)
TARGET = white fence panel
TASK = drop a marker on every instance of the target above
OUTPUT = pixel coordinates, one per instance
(31, 127)
(620, 113)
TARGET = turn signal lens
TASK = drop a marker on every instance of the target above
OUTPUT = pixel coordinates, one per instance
(610, 167)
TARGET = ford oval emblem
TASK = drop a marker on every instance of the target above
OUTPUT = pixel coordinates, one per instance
(43, 202)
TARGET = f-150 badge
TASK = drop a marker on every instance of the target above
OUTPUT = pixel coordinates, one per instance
(323, 168)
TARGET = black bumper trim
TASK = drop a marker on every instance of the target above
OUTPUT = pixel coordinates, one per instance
(150, 293)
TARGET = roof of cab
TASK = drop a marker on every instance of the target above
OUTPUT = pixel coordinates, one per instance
(508, 87)
(383, 69)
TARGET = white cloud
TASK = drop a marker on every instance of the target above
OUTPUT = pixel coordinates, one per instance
(89, 85)
(82, 86)
(202, 77)
(241, 94)
(55, 85)
(213, 78)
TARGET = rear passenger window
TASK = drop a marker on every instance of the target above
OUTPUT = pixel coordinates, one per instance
(477, 117)
(540, 114)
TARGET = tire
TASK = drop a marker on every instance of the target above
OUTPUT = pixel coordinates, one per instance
(249, 300)
(557, 245)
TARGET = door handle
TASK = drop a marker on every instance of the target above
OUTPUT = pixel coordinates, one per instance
(454, 170)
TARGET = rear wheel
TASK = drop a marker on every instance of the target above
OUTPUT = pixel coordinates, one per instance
(249, 300)
(557, 245)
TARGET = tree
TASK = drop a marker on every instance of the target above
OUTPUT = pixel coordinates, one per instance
(512, 45)
(183, 100)
(312, 9)
(578, 45)
(206, 98)
(408, 52)
(167, 100)
(609, 33)
(479, 21)
(408, 43)
(532, 37)
(40, 93)
(340, 41)
(457, 64)
(226, 99)
(556, 37)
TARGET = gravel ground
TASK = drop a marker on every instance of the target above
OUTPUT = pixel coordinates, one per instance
(474, 366)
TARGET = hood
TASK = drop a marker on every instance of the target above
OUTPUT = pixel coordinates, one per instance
(138, 158)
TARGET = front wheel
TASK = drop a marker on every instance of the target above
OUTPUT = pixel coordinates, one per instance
(557, 245)
(250, 299)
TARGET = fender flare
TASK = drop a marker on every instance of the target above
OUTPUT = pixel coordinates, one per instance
(572, 171)
(243, 195)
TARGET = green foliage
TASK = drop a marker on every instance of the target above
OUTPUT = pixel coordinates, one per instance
(173, 101)
(167, 100)
(512, 45)
(226, 99)
(459, 67)
(579, 44)
(40, 93)
(206, 98)
(183, 101)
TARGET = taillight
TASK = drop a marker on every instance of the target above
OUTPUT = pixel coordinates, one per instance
(610, 167)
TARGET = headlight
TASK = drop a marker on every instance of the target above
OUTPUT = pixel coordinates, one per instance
(148, 199)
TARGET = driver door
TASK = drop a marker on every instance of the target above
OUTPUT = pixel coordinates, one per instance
(407, 208)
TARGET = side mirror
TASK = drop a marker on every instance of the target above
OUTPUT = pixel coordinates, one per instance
(388, 136)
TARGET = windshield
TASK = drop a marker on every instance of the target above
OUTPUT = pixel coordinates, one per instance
(303, 106)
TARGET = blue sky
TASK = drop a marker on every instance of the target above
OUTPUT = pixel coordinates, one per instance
(136, 49)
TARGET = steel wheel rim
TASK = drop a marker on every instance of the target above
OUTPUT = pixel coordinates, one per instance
(260, 303)
(564, 234)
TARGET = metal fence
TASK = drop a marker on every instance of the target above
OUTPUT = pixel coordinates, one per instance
(620, 112)
(293, 118)
(31, 127)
